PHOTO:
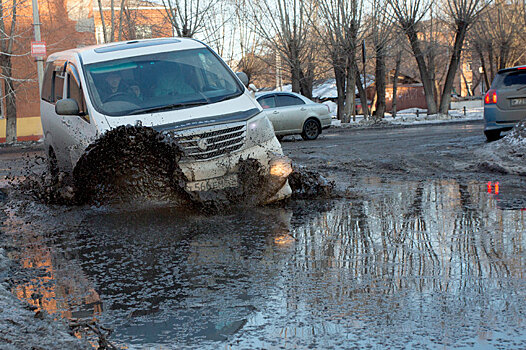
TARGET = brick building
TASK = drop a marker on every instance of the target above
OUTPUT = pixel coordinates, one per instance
(68, 24)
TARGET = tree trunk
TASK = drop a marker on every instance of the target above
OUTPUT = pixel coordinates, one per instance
(504, 54)
(6, 50)
(10, 101)
(380, 83)
(350, 93)
(453, 66)
(339, 75)
(395, 83)
(490, 57)
(295, 76)
(105, 35)
(112, 9)
(427, 81)
(306, 81)
(361, 92)
(121, 10)
(483, 64)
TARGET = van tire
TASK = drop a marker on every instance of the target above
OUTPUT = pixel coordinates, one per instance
(311, 129)
(492, 135)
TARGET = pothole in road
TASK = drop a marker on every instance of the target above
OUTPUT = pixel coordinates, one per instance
(410, 253)
(137, 164)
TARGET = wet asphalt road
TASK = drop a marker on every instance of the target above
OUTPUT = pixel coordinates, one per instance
(419, 251)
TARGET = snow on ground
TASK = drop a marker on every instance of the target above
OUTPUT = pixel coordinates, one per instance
(507, 155)
(415, 116)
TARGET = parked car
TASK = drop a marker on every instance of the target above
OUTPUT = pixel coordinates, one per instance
(177, 86)
(505, 101)
(292, 113)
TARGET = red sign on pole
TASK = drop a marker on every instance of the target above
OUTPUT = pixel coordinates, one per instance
(38, 49)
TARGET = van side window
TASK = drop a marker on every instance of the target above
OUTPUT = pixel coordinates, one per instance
(58, 84)
(75, 93)
(47, 84)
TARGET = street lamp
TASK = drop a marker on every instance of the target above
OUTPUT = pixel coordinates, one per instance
(481, 71)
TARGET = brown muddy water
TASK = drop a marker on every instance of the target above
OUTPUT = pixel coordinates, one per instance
(431, 264)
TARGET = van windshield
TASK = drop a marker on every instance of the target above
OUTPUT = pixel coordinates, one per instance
(161, 81)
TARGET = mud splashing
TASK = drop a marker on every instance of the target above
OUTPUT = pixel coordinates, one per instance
(130, 163)
(308, 184)
(126, 164)
(136, 164)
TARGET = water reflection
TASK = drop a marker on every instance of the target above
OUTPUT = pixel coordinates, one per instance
(423, 264)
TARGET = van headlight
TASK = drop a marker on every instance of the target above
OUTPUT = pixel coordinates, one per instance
(259, 130)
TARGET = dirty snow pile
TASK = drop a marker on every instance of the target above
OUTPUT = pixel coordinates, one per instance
(507, 155)
(413, 116)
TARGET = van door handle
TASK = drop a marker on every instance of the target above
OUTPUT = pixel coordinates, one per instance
(276, 112)
(303, 109)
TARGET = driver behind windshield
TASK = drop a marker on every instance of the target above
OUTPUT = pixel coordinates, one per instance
(113, 84)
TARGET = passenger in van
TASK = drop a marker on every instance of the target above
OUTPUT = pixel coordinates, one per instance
(172, 84)
(135, 90)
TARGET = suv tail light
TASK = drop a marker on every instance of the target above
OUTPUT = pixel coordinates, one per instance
(491, 97)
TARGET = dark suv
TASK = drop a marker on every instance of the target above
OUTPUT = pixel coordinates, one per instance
(505, 101)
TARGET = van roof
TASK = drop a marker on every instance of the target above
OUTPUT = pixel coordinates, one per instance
(122, 49)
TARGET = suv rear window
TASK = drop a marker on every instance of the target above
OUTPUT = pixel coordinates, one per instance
(509, 79)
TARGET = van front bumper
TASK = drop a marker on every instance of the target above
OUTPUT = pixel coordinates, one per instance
(226, 171)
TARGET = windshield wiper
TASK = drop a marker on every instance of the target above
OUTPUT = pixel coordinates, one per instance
(228, 97)
(168, 107)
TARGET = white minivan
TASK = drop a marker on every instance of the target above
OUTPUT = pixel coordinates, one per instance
(177, 86)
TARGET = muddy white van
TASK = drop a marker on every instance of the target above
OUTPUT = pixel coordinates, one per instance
(177, 86)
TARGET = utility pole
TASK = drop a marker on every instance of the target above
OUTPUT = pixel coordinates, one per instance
(364, 55)
(40, 60)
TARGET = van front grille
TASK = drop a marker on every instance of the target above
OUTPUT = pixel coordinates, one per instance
(211, 142)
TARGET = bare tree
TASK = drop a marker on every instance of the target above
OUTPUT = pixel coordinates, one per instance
(220, 29)
(461, 14)
(381, 30)
(409, 15)
(250, 45)
(189, 17)
(497, 37)
(8, 11)
(340, 22)
(398, 60)
(285, 29)
(103, 21)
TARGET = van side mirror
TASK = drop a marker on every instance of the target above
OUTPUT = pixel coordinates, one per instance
(67, 106)
(243, 77)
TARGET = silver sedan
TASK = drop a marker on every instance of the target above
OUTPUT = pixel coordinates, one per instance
(292, 113)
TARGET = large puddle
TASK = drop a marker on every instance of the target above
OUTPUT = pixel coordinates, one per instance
(434, 264)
